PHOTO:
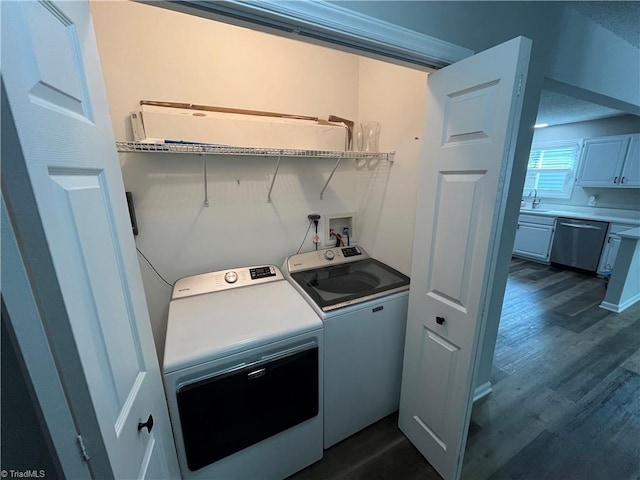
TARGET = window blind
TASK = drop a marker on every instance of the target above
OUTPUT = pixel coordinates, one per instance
(551, 169)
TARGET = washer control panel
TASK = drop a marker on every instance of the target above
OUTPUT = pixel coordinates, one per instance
(225, 280)
(321, 258)
(350, 251)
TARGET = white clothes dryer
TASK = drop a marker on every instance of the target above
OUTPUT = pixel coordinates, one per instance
(243, 375)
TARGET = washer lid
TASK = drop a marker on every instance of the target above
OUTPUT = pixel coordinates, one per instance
(345, 284)
(204, 327)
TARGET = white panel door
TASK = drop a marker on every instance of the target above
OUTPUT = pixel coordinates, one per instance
(469, 139)
(55, 90)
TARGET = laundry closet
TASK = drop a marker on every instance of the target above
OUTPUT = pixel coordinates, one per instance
(149, 53)
(201, 213)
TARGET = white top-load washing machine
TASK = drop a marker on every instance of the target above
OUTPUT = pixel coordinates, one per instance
(243, 375)
(363, 305)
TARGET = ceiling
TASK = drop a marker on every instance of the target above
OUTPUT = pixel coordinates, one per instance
(557, 109)
(622, 18)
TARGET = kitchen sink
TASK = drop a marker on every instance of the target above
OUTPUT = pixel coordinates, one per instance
(533, 210)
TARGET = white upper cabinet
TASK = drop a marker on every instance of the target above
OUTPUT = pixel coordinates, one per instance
(631, 168)
(610, 162)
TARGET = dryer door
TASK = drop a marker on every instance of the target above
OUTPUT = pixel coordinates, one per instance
(235, 409)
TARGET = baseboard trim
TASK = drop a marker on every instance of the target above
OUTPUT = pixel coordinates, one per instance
(482, 391)
(620, 307)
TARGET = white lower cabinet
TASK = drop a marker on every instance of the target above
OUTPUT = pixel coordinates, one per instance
(534, 237)
(610, 249)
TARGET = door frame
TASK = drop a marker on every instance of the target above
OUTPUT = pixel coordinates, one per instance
(329, 25)
(332, 25)
(39, 322)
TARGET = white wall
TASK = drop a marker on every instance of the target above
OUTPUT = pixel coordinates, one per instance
(620, 125)
(605, 68)
(576, 51)
(619, 198)
(206, 62)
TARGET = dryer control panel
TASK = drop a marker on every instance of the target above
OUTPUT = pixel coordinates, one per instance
(224, 280)
(262, 272)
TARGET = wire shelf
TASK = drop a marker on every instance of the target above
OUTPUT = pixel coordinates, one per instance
(210, 149)
(203, 149)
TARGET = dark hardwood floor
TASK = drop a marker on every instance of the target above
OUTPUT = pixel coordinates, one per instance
(565, 402)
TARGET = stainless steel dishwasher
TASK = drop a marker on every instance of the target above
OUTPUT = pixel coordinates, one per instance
(578, 243)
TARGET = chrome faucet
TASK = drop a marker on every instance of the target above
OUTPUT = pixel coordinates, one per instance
(536, 200)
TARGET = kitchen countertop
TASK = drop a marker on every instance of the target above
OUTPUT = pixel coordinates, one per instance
(629, 217)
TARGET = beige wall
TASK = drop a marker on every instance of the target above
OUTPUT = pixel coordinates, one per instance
(155, 54)
(395, 96)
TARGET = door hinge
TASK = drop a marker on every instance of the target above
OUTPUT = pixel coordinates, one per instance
(519, 86)
(83, 449)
